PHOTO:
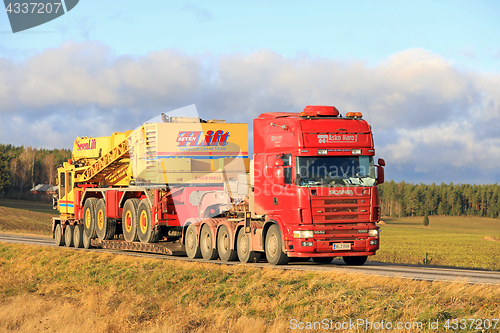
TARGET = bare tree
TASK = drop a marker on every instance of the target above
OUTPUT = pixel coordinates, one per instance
(49, 167)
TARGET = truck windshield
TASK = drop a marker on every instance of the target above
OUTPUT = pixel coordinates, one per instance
(335, 170)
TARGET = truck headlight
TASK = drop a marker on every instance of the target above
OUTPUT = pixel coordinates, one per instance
(373, 232)
(303, 234)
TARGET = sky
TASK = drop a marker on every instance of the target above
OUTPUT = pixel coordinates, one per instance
(425, 74)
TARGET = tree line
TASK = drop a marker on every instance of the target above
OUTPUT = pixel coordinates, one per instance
(22, 168)
(405, 199)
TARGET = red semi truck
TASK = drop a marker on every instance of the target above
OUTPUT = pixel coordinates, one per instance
(187, 186)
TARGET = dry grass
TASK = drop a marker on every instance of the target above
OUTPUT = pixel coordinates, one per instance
(53, 289)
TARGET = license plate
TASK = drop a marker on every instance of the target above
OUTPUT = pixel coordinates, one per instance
(342, 246)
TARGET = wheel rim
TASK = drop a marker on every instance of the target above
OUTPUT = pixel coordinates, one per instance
(190, 243)
(272, 245)
(87, 219)
(144, 222)
(128, 221)
(206, 241)
(100, 219)
(244, 245)
(225, 242)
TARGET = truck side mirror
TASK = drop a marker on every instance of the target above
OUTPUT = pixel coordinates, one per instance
(380, 174)
(380, 171)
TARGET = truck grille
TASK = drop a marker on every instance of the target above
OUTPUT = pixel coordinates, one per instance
(334, 209)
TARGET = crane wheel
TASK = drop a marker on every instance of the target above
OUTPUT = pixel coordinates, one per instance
(105, 228)
(243, 248)
(58, 235)
(89, 217)
(129, 220)
(78, 236)
(145, 224)
(68, 235)
(87, 242)
(226, 253)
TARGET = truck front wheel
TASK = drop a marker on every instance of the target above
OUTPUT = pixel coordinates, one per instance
(274, 247)
(243, 247)
(355, 261)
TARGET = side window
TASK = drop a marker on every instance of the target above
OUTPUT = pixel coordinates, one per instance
(62, 185)
(70, 179)
(287, 168)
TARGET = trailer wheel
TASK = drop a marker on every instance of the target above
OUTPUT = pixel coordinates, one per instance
(274, 247)
(68, 235)
(87, 243)
(89, 217)
(78, 236)
(129, 220)
(145, 227)
(355, 261)
(192, 249)
(58, 235)
(226, 253)
(206, 246)
(323, 260)
(243, 248)
(105, 228)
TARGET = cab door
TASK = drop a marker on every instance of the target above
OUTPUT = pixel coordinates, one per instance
(66, 193)
(63, 206)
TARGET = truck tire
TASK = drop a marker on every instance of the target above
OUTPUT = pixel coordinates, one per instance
(89, 217)
(105, 228)
(226, 253)
(355, 261)
(68, 235)
(191, 244)
(145, 224)
(274, 247)
(58, 235)
(78, 236)
(323, 260)
(129, 221)
(206, 246)
(243, 248)
(87, 242)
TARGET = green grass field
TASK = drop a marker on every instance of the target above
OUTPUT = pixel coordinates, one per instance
(468, 242)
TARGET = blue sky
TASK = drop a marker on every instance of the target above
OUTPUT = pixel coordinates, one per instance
(429, 72)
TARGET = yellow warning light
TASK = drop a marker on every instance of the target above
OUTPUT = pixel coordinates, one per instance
(248, 215)
(354, 114)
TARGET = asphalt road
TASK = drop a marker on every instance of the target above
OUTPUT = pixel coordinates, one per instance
(414, 272)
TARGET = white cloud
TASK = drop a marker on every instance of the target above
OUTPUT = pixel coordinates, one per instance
(430, 119)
